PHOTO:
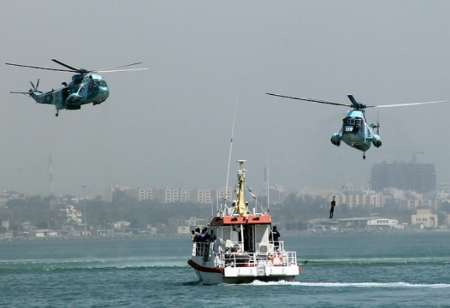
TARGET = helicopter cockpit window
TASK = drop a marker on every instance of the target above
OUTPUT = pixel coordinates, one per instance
(102, 83)
(352, 125)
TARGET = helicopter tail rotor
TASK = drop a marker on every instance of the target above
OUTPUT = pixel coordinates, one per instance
(35, 87)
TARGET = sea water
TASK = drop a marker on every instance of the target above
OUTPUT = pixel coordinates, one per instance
(343, 269)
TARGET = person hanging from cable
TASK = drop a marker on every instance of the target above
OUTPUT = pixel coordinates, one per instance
(332, 205)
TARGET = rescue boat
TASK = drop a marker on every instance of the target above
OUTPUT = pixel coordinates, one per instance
(237, 245)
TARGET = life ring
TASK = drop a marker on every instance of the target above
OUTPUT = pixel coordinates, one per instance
(277, 260)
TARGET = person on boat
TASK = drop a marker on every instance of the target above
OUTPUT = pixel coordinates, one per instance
(276, 237)
(332, 205)
(217, 245)
(204, 236)
(196, 235)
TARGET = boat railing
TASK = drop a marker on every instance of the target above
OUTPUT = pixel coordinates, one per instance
(282, 258)
(274, 256)
(277, 246)
(202, 249)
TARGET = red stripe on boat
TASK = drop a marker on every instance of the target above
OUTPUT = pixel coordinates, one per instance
(205, 269)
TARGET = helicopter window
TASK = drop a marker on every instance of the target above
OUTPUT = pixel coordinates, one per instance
(349, 121)
(102, 83)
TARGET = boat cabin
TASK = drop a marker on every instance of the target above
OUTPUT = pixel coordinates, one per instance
(252, 233)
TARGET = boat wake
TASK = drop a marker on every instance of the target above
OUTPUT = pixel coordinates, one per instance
(80, 264)
(377, 261)
(393, 285)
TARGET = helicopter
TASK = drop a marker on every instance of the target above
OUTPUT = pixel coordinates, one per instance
(356, 132)
(86, 86)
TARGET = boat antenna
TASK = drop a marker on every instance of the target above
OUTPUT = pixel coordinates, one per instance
(266, 178)
(230, 150)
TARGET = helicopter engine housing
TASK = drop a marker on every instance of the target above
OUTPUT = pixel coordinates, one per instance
(376, 140)
(336, 139)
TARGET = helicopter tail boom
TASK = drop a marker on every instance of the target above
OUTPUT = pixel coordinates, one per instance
(34, 89)
(20, 92)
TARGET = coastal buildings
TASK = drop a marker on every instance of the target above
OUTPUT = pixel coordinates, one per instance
(364, 199)
(144, 194)
(425, 218)
(355, 224)
(8, 195)
(204, 196)
(384, 224)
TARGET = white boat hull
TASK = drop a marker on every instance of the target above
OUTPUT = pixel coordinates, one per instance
(209, 278)
(211, 275)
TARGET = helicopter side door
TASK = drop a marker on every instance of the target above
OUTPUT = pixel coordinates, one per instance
(57, 98)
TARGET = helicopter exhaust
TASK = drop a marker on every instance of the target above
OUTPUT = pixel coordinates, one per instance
(336, 139)
(376, 140)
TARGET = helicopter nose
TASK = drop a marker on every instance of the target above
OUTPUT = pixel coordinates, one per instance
(104, 94)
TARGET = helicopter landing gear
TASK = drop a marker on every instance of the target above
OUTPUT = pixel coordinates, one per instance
(57, 113)
(364, 155)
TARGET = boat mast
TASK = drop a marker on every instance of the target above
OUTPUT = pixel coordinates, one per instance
(230, 152)
(241, 206)
(266, 173)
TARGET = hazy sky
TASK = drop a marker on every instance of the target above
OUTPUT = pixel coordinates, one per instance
(170, 125)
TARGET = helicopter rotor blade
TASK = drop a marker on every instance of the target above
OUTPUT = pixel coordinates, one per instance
(66, 65)
(37, 83)
(407, 104)
(122, 70)
(32, 85)
(310, 100)
(130, 64)
(40, 67)
(119, 67)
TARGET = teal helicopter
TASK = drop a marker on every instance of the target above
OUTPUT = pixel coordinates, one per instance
(356, 132)
(86, 86)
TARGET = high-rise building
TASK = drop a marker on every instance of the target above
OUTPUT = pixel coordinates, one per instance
(184, 195)
(145, 194)
(171, 195)
(204, 196)
(413, 176)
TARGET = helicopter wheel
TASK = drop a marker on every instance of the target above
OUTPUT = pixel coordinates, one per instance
(364, 156)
